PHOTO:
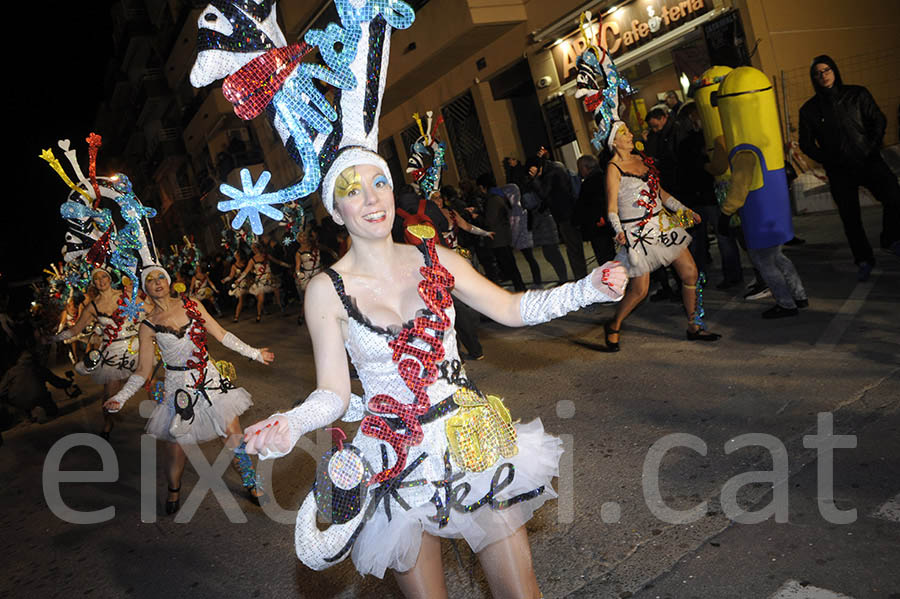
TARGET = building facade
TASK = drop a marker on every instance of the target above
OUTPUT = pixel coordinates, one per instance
(499, 72)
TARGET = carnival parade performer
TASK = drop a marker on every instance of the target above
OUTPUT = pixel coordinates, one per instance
(116, 358)
(265, 281)
(203, 289)
(307, 263)
(241, 285)
(650, 230)
(413, 382)
(434, 456)
(199, 402)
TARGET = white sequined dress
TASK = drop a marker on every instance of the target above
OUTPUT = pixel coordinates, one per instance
(265, 282)
(653, 237)
(119, 354)
(433, 493)
(215, 406)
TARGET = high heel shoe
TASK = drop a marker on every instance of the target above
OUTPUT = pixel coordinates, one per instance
(258, 319)
(172, 506)
(701, 335)
(612, 346)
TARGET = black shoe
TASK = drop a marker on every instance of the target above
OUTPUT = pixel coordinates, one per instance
(612, 346)
(172, 506)
(865, 271)
(777, 311)
(795, 241)
(475, 358)
(104, 435)
(258, 319)
(758, 291)
(802, 303)
(701, 335)
(300, 321)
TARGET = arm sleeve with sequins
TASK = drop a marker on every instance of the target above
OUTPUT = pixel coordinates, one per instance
(537, 306)
(321, 408)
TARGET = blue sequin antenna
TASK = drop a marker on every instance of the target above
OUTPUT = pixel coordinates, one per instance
(240, 40)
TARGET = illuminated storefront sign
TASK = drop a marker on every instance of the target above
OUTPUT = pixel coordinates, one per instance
(627, 28)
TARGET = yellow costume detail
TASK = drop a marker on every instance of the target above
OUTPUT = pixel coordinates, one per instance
(481, 432)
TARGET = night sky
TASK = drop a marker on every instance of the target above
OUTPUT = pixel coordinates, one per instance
(57, 69)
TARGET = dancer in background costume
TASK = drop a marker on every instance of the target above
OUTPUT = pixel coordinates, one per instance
(200, 403)
(434, 456)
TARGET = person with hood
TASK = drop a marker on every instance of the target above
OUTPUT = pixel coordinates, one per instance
(842, 128)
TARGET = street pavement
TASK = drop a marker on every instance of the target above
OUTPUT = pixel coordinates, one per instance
(603, 537)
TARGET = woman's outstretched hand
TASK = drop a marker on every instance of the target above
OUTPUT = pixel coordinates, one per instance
(266, 356)
(610, 278)
(272, 435)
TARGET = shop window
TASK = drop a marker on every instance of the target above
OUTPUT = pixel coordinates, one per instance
(466, 138)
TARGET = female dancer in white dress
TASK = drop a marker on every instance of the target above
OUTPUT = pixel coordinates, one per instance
(648, 235)
(241, 285)
(434, 456)
(199, 403)
(117, 355)
(266, 281)
(307, 263)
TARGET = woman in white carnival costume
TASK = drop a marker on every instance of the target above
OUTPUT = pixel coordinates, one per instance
(434, 456)
(199, 402)
(650, 230)
(116, 358)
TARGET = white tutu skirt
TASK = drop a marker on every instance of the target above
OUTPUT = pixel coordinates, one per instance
(648, 247)
(209, 420)
(240, 289)
(395, 543)
(118, 362)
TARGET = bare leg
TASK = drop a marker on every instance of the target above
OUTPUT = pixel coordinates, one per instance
(635, 293)
(240, 305)
(687, 272)
(507, 566)
(260, 299)
(109, 389)
(425, 580)
(175, 460)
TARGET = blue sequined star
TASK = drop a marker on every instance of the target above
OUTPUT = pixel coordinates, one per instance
(251, 201)
(132, 308)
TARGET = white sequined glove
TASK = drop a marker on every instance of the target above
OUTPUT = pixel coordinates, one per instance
(236, 345)
(614, 222)
(537, 306)
(674, 205)
(321, 408)
(131, 386)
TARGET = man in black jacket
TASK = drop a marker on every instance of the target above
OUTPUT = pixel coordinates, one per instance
(591, 209)
(842, 128)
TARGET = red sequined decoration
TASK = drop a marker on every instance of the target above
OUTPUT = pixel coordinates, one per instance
(651, 192)
(252, 87)
(99, 252)
(417, 367)
(94, 143)
(197, 333)
(111, 331)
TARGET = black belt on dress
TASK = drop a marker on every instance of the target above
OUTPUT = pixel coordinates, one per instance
(640, 218)
(178, 368)
(434, 412)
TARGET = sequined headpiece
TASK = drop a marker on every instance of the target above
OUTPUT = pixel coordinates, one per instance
(598, 82)
(92, 240)
(427, 148)
(240, 40)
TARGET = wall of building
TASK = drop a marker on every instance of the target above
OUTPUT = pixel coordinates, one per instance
(862, 36)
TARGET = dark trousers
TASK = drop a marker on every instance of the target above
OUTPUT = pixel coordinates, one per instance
(552, 255)
(877, 177)
(467, 320)
(533, 265)
(603, 246)
(507, 263)
(571, 236)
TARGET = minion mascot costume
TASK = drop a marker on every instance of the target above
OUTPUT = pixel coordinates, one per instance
(717, 153)
(758, 188)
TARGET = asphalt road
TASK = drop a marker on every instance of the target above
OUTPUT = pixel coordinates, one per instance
(604, 536)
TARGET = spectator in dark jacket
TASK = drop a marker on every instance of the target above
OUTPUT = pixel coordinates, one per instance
(552, 182)
(496, 219)
(842, 128)
(661, 145)
(591, 208)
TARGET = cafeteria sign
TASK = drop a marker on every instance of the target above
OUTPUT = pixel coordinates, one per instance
(625, 29)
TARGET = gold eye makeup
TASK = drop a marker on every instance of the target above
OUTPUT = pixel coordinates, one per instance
(347, 182)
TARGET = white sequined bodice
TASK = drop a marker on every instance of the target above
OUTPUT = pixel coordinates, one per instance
(629, 193)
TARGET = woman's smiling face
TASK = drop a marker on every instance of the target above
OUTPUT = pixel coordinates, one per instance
(364, 201)
(102, 280)
(156, 284)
